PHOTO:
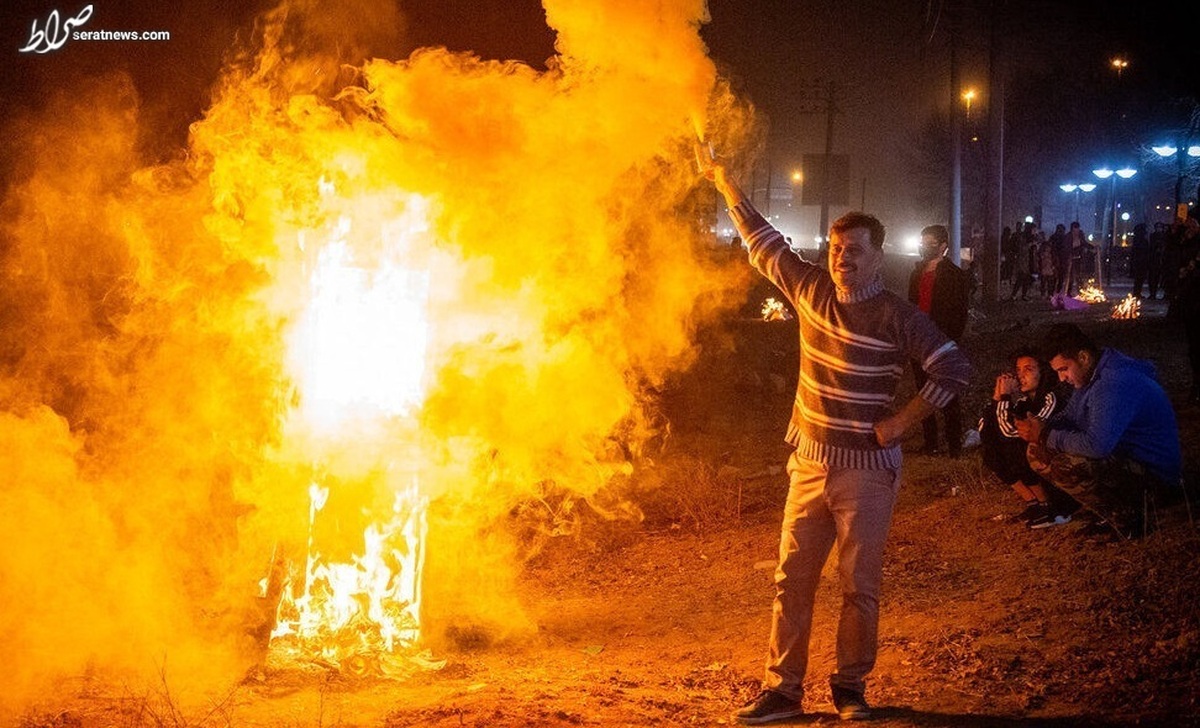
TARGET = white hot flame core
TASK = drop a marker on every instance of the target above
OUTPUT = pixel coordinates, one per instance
(358, 352)
(364, 338)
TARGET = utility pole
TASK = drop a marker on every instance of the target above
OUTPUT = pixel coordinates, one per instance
(997, 70)
(830, 110)
(956, 152)
(821, 98)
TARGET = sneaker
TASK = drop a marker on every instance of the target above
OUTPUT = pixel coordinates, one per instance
(1037, 512)
(769, 707)
(1048, 519)
(1032, 511)
(850, 704)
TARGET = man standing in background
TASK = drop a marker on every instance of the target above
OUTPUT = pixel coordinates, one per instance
(1077, 244)
(942, 290)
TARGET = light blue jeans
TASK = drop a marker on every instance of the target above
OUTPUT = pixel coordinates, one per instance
(826, 506)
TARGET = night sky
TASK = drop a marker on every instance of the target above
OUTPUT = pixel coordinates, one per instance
(889, 62)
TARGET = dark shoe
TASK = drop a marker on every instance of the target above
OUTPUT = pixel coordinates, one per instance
(1048, 519)
(1039, 512)
(1032, 511)
(769, 707)
(850, 704)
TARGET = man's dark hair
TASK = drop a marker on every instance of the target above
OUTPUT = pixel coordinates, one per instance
(852, 220)
(939, 233)
(1066, 340)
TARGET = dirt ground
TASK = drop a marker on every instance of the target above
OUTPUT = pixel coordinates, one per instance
(664, 622)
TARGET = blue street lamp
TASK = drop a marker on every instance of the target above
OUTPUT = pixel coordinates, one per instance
(1168, 150)
(1106, 173)
(1072, 187)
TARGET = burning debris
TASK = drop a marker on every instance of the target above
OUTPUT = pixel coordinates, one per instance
(361, 617)
(1091, 293)
(1129, 308)
(774, 310)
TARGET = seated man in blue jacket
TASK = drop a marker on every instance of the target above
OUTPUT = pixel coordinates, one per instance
(1116, 440)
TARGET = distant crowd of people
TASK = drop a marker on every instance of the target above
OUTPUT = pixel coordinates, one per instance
(1059, 263)
(1035, 264)
(1163, 264)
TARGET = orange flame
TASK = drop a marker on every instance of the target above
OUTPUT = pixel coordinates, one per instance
(422, 286)
(1129, 308)
(358, 353)
(1091, 293)
(774, 310)
(355, 614)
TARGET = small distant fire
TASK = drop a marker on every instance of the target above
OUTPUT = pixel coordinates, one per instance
(1091, 293)
(774, 310)
(1129, 308)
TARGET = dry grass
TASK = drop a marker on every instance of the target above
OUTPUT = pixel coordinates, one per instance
(693, 494)
(155, 707)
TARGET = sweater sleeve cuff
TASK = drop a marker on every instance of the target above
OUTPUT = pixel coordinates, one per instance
(935, 395)
(742, 212)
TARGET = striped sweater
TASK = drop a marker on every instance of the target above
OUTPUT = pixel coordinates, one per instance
(853, 350)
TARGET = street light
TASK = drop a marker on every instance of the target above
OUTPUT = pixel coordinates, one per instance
(1167, 150)
(1072, 187)
(1120, 64)
(1106, 173)
(969, 96)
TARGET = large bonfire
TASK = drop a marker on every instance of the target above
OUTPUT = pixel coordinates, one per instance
(274, 400)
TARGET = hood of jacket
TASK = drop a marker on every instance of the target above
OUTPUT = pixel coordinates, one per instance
(1115, 362)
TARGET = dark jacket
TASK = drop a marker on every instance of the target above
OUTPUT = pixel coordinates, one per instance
(1002, 447)
(1122, 412)
(951, 296)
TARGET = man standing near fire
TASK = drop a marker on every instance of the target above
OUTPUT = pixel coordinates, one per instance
(856, 338)
(943, 291)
